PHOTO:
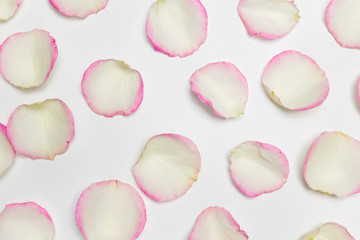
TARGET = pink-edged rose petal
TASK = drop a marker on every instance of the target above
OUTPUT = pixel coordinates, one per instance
(177, 27)
(215, 223)
(343, 22)
(222, 86)
(20, 221)
(168, 166)
(110, 210)
(329, 231)
(27, 58)
(269, 19)
(332, 164)
(41, 130)
(79, 8)
(8, 8)
(295, 81)
(7, 153)
(111, 88)
(258, 168)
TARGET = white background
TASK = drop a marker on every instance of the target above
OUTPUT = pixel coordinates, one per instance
(106, 149)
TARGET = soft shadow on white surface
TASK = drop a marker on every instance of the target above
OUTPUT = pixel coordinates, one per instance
(354, 94)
